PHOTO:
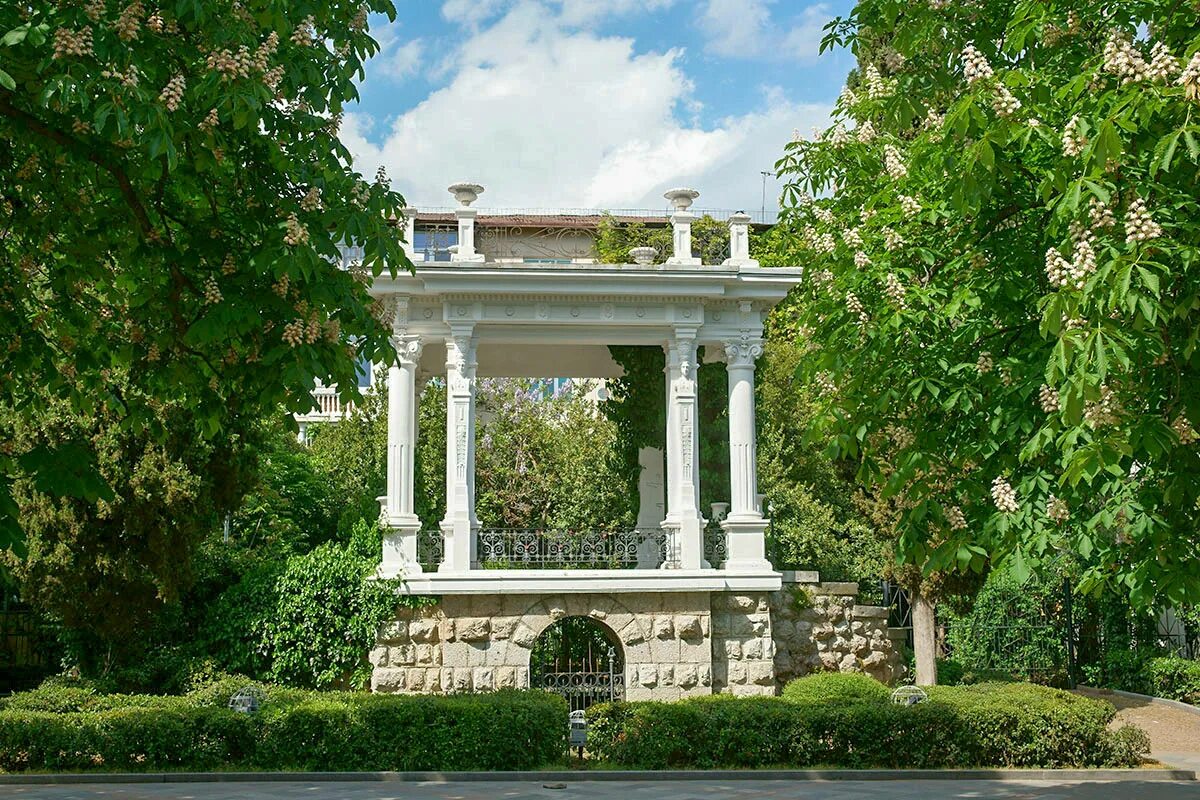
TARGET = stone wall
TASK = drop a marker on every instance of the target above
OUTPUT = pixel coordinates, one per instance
(478, 643)
(674, 644)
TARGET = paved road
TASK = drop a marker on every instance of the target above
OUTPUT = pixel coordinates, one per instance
(604, 790)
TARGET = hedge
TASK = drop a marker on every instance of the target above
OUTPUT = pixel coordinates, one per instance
(71, 730)
(986, 725)
(1171, 677)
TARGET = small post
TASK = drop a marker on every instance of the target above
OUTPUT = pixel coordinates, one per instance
(466, 193)
(410, 230)
(681, 225)
(739, 241)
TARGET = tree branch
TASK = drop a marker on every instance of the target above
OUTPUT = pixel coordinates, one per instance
(35, 125)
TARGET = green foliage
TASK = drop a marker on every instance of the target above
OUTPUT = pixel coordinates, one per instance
(953, 362)
(1172, 678)
(292, 730)
(308, 621)
(1013, 725)
(351, 455)
(614, 240)
(1012, 627)
(172, 224)
(547, 461)
(836, 688)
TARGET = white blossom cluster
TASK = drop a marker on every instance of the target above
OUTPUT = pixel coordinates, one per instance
(293, 332)
(861, 259)
(1184, 430)
(228, 265)
(975, 65)
(280, 287)
(1057, 509)
(865, 133)
(212, 292)
(305, 33)
(1004, 103)
(1073, 140)
(311, 200)
(70, 42)
(129, 23)
(838, 136)
(984, 364)
(172, 94)
(933, 123)
(894, 289)
(893, 162)
(978, 260)
(1190, 78)
(129, 78)
(1139, 225)
(296, 232)
(893, 59)
(1060, 272)
(1122, 59)
(1048, 399)
(855, 307)
(230, 64)
(956, 519)
(1163, 65)
(892, 240)
(910, 205)
(1100, 215)
(210, 122)
(901, 436)
(823, 280)
(1102, 412)
(877, 87)
(823, 214)
(825, 384)
(359, 23)
(847, 97)
(95, 9)
(852, 237)
(1004, 495)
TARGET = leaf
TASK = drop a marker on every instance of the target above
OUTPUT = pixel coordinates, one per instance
(7, 81)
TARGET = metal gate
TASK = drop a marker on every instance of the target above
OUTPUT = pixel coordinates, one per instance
(579, 659)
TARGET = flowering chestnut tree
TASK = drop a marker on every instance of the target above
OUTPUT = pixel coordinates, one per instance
(173, 197)
(1002, 229)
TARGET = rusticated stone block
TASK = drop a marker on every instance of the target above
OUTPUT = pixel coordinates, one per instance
(416, 679)
(524, 636)
(506, 678)
(473, 629)
(632, 634)
(388, 680)
(395, 631)
(663, 629)
(378, 656)
(686, 675)
(688, 626)
(503, 627)
(737, 672)
(666, 674)
(648, 675)
(423, 630)
(483, 679)
(733, 649)
(761, 673)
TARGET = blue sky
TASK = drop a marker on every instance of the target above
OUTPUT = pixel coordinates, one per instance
(593, 103)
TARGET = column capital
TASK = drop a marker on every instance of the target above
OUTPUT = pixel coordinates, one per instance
(408, 349)
(741, 351)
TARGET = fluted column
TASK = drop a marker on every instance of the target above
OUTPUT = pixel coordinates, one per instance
(460, 526)
(745, 527)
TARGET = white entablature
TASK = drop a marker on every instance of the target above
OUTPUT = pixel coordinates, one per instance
(470, 318)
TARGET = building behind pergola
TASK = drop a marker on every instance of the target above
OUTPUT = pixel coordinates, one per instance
(690, 604)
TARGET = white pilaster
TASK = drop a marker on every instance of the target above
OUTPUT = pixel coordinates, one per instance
(739, 241)
(410, 232)
(684, 523)
(460, 526)
(652, 502)
(465, 194)
(744, 526)
(398, 517)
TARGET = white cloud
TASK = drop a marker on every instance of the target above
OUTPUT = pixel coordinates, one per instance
(584, 12)
(547, 116)
(397, 58)
(747, 29)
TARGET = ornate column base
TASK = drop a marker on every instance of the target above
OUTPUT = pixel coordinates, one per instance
(400, 545)
(746, 543)
(461, 536)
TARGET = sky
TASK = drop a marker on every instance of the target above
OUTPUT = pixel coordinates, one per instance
(593, 103)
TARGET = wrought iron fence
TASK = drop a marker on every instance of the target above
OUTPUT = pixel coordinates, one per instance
(23, 661)
(1022, 649)
(517, 548)
(583, 689)
(716, 545)
(431, 548)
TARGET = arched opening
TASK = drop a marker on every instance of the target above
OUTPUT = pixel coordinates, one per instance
(580, 659)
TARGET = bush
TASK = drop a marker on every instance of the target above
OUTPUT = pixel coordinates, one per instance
(72, 728)
(1173, 678)
(836, 688)
(988, 725)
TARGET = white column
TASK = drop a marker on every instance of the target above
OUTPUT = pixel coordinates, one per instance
(739, 241)
(460, 526)
(684, 523)
(400, 542)
(744, 526)
(652, 502)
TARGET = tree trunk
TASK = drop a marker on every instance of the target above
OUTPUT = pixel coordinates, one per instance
(924, 622)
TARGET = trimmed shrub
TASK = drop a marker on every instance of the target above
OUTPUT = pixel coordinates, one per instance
(1173, 678)
(987, 725)
(80, 730)
(836, 688)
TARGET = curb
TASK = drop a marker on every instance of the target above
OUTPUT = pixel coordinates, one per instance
(1158, 701)
(1058, 775)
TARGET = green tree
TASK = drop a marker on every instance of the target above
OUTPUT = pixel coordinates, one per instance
(173, 195)
(1003, 284)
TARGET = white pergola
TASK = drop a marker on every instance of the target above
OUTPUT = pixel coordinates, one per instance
(468, 318)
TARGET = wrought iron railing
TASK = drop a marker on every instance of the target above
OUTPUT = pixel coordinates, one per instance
(516, 548)
(582, 689)
(431, 548)
(716, 545)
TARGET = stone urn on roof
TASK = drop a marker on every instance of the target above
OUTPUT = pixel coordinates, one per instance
(681, 199)
(466, 193)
